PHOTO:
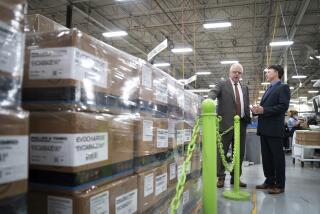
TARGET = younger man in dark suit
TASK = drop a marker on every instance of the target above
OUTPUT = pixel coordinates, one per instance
(271, 114)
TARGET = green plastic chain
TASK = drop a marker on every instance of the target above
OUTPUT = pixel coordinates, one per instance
(228, 167)
(175, 203)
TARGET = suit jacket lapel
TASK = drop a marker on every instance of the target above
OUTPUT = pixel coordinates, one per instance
(272, 90)
(230, 88)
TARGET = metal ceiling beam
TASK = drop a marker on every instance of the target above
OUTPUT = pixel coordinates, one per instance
(296, 23)
(106, 28)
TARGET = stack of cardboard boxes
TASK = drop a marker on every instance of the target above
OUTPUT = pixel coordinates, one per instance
(13, 121)
(108, 131)
(81, 94)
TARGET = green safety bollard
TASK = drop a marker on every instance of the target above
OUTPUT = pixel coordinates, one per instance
(236, 194)
(209, 156)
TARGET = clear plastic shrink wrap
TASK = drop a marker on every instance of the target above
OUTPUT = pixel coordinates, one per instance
(13, 121)
(104, 127)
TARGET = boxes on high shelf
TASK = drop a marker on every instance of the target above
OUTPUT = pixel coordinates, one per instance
(40, 23)
(71, 70)
(75, 148)
(12, 40)
(118, 197)
(151, 142)
(152, 185)
(13, 153)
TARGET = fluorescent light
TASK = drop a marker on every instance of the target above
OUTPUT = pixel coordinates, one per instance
(300, 84)
(212, 86)
(315, 80)
(199, 90)
(291, 87)
(318, 57)
(313, 92)
(303, 98)
(217, 25)
(261, 92)
(205, 96)
(299, 76)
(282, 43)
(203, 73)
(265, 83)
(259, 98)
(229, 62)
(310, 57)
(181, 50)
(114, 34)
(162, 64)
(294, 101)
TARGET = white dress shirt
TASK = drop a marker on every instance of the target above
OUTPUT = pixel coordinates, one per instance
(241, 96)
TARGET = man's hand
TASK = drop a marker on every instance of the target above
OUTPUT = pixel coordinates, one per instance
(256, 109)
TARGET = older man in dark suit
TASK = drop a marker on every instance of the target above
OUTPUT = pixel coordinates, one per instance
(233, 99)
(271, 114)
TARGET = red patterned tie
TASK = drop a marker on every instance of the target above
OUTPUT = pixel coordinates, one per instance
(238, 102)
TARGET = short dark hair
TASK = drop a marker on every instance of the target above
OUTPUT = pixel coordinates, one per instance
(277, 68)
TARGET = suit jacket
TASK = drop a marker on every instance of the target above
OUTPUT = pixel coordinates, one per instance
(226, 107)
(275, 104)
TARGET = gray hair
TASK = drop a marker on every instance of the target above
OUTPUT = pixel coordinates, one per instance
(236, 65)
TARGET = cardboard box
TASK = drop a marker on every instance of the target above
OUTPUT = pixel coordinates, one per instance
(16, 204)
(40, 23)
(146, 186)
(160, 93)
(117, 197)
(160, 134)
(153, 187)
(74, 148)
(307, 137)
(184, 132)
(172, 133)
(14, 153)
(172, 173)
(11, 52)
(78, 72)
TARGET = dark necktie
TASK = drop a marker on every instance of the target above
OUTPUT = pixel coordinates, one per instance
(238, 102)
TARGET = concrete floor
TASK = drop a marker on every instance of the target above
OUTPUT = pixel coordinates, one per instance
(302, 194)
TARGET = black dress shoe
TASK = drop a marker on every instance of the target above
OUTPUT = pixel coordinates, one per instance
(265, 186)
(241, 184)
(220, 182)
(276, 190)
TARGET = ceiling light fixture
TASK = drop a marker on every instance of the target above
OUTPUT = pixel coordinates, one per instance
(200, 90)
(291, 87)
(265, 83)
(181, 50)
(313, 92)
(203, 73)
(261, 92)
(318, 57)
(114, 34)
(205, 96)
(299, 76)
(303, 98)
(229, 62)
(281, 43)
(217, 25)
(162, 64)
(212, 86)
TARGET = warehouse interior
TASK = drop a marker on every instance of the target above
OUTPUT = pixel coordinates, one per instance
(100, 103)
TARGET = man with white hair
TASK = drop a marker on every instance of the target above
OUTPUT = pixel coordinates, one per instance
(233, 99)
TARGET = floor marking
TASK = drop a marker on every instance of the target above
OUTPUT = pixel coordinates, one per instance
(254, 202)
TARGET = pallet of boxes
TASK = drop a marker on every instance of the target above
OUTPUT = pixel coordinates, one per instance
(99, 126)
(13, 120)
